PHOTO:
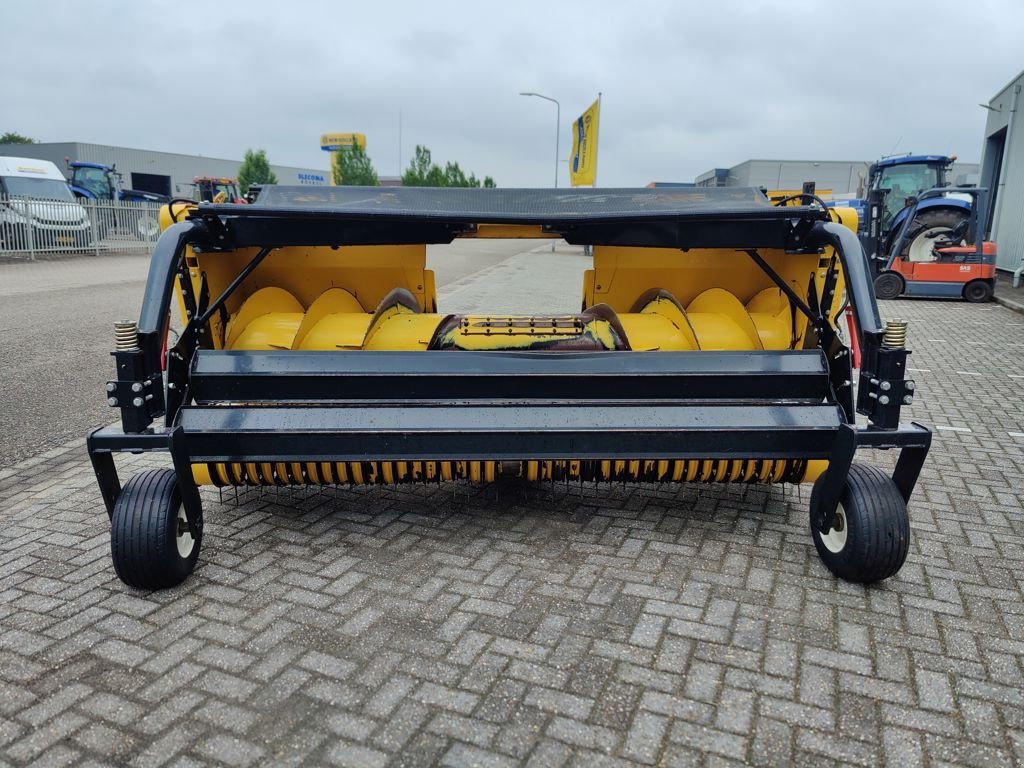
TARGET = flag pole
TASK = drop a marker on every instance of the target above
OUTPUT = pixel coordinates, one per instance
(597, 146)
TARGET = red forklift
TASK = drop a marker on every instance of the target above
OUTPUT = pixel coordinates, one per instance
(934, 261)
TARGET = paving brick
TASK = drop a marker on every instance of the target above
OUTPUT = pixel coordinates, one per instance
(643, 743)
(586, 626)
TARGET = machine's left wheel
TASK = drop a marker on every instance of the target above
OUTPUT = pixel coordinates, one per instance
(978, 291)
(869, 533)
(150, 541)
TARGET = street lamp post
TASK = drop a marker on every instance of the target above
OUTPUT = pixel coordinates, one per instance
(558, 123)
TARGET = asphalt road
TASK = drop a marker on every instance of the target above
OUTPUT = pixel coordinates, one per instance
(56, 333)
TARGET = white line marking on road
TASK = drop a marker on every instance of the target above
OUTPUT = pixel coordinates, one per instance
(1011, 375)
(997, 469)
(919, 370)
(1015, 434)
(969, 373)
(938, 341)
(945, 428)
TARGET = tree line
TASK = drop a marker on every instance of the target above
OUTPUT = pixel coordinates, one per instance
(351, 167)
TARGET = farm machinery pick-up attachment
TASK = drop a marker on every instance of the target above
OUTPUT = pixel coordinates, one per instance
(706, 350)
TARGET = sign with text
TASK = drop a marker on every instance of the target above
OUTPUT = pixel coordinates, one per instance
(332, 142)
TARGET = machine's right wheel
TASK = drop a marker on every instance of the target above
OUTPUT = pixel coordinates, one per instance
(150, 542)
(869, 534)
(889, 285)
(978, 291)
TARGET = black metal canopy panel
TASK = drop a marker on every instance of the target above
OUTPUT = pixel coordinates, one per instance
(737, 217)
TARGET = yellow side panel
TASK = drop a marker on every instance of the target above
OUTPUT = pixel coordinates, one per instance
(588, 289)
(367, 272)
(509, 232)
(429, 291)
(623, 274)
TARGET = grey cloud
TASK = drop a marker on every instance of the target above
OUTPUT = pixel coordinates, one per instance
(687, 85)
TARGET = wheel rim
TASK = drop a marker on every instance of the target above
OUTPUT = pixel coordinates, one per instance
(184, 540)
(835, 539)
(921, 247)
(977, 291)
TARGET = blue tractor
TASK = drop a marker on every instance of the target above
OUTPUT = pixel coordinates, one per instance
(96, 181)
(102, 183)
(894, 185)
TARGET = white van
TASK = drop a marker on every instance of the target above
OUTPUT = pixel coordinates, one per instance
(37, 208)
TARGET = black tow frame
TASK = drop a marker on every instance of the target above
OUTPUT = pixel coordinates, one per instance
(502, 406)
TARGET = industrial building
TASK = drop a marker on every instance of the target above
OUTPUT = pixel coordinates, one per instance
(165, 173)
(842, 177)
(1002, 172)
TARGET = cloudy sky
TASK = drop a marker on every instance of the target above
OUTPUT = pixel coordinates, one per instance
(687, 86)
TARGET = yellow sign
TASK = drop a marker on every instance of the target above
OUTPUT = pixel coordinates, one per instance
(583, 163)
(332, 142)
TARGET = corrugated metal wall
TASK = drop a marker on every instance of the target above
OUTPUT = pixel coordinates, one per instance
(1004, 141)
(55, 152)
(841, 177)
(180, 168)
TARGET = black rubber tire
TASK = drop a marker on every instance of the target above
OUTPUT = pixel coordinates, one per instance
(889, 285)
(877, 527)
(978, 291)
(944, 218)
(143, 532)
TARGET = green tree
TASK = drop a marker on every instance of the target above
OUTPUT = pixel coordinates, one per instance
(12, 137)
(424, 172)
(454, 177)
(353, 167)
(416, 174)
(255, 169)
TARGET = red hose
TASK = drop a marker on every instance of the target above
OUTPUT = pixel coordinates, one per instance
(854, 341)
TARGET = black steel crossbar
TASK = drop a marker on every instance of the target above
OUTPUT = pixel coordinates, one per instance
(508, 432)
(278, 377)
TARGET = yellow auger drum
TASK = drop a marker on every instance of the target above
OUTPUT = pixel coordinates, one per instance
(314, 352)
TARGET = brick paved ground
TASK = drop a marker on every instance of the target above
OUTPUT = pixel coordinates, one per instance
(506, 625)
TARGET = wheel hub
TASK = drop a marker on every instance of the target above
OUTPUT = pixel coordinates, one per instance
(184, 539)
(835, 539)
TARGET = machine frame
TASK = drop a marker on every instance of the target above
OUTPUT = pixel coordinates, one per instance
(292, 407)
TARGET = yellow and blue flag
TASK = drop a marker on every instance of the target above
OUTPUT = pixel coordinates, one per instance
(583, 163)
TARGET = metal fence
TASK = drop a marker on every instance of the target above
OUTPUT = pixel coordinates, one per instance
(30, 226)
